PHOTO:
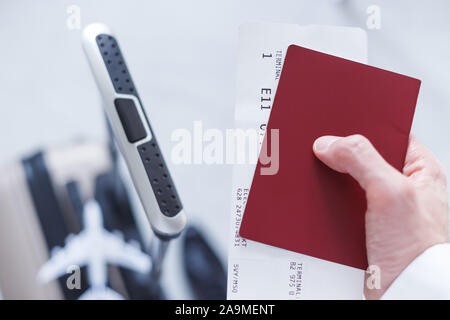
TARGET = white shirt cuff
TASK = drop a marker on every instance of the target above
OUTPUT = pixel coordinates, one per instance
(427, 277)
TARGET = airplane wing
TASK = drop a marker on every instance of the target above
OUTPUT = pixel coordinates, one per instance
(123, 254)
(74, 253)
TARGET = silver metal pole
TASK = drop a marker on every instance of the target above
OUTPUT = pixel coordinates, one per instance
(157, 251)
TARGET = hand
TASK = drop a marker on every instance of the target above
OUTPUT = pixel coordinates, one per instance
(406, 212)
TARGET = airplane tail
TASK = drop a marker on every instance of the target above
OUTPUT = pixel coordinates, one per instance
(103, 293)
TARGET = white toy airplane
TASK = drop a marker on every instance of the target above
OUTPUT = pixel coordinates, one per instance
(95, 247)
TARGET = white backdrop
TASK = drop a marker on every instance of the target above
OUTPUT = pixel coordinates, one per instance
(182, 55)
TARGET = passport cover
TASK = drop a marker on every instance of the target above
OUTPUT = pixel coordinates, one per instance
(307, 207)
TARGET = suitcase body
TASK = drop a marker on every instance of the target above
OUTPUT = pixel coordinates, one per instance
(41, 204)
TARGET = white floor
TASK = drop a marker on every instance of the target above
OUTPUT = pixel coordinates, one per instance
(182, 55)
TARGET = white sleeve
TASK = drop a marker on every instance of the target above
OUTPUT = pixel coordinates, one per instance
(427, 277)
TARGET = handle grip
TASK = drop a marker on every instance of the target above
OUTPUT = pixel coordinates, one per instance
(133, 132)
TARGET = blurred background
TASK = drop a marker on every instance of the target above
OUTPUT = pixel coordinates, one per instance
(182, 55)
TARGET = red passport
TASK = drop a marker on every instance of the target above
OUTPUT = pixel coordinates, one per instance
(307, 207)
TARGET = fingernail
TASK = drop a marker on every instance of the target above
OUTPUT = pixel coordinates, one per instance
(323, 143)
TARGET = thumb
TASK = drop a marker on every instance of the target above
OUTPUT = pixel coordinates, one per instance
(356, 156)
